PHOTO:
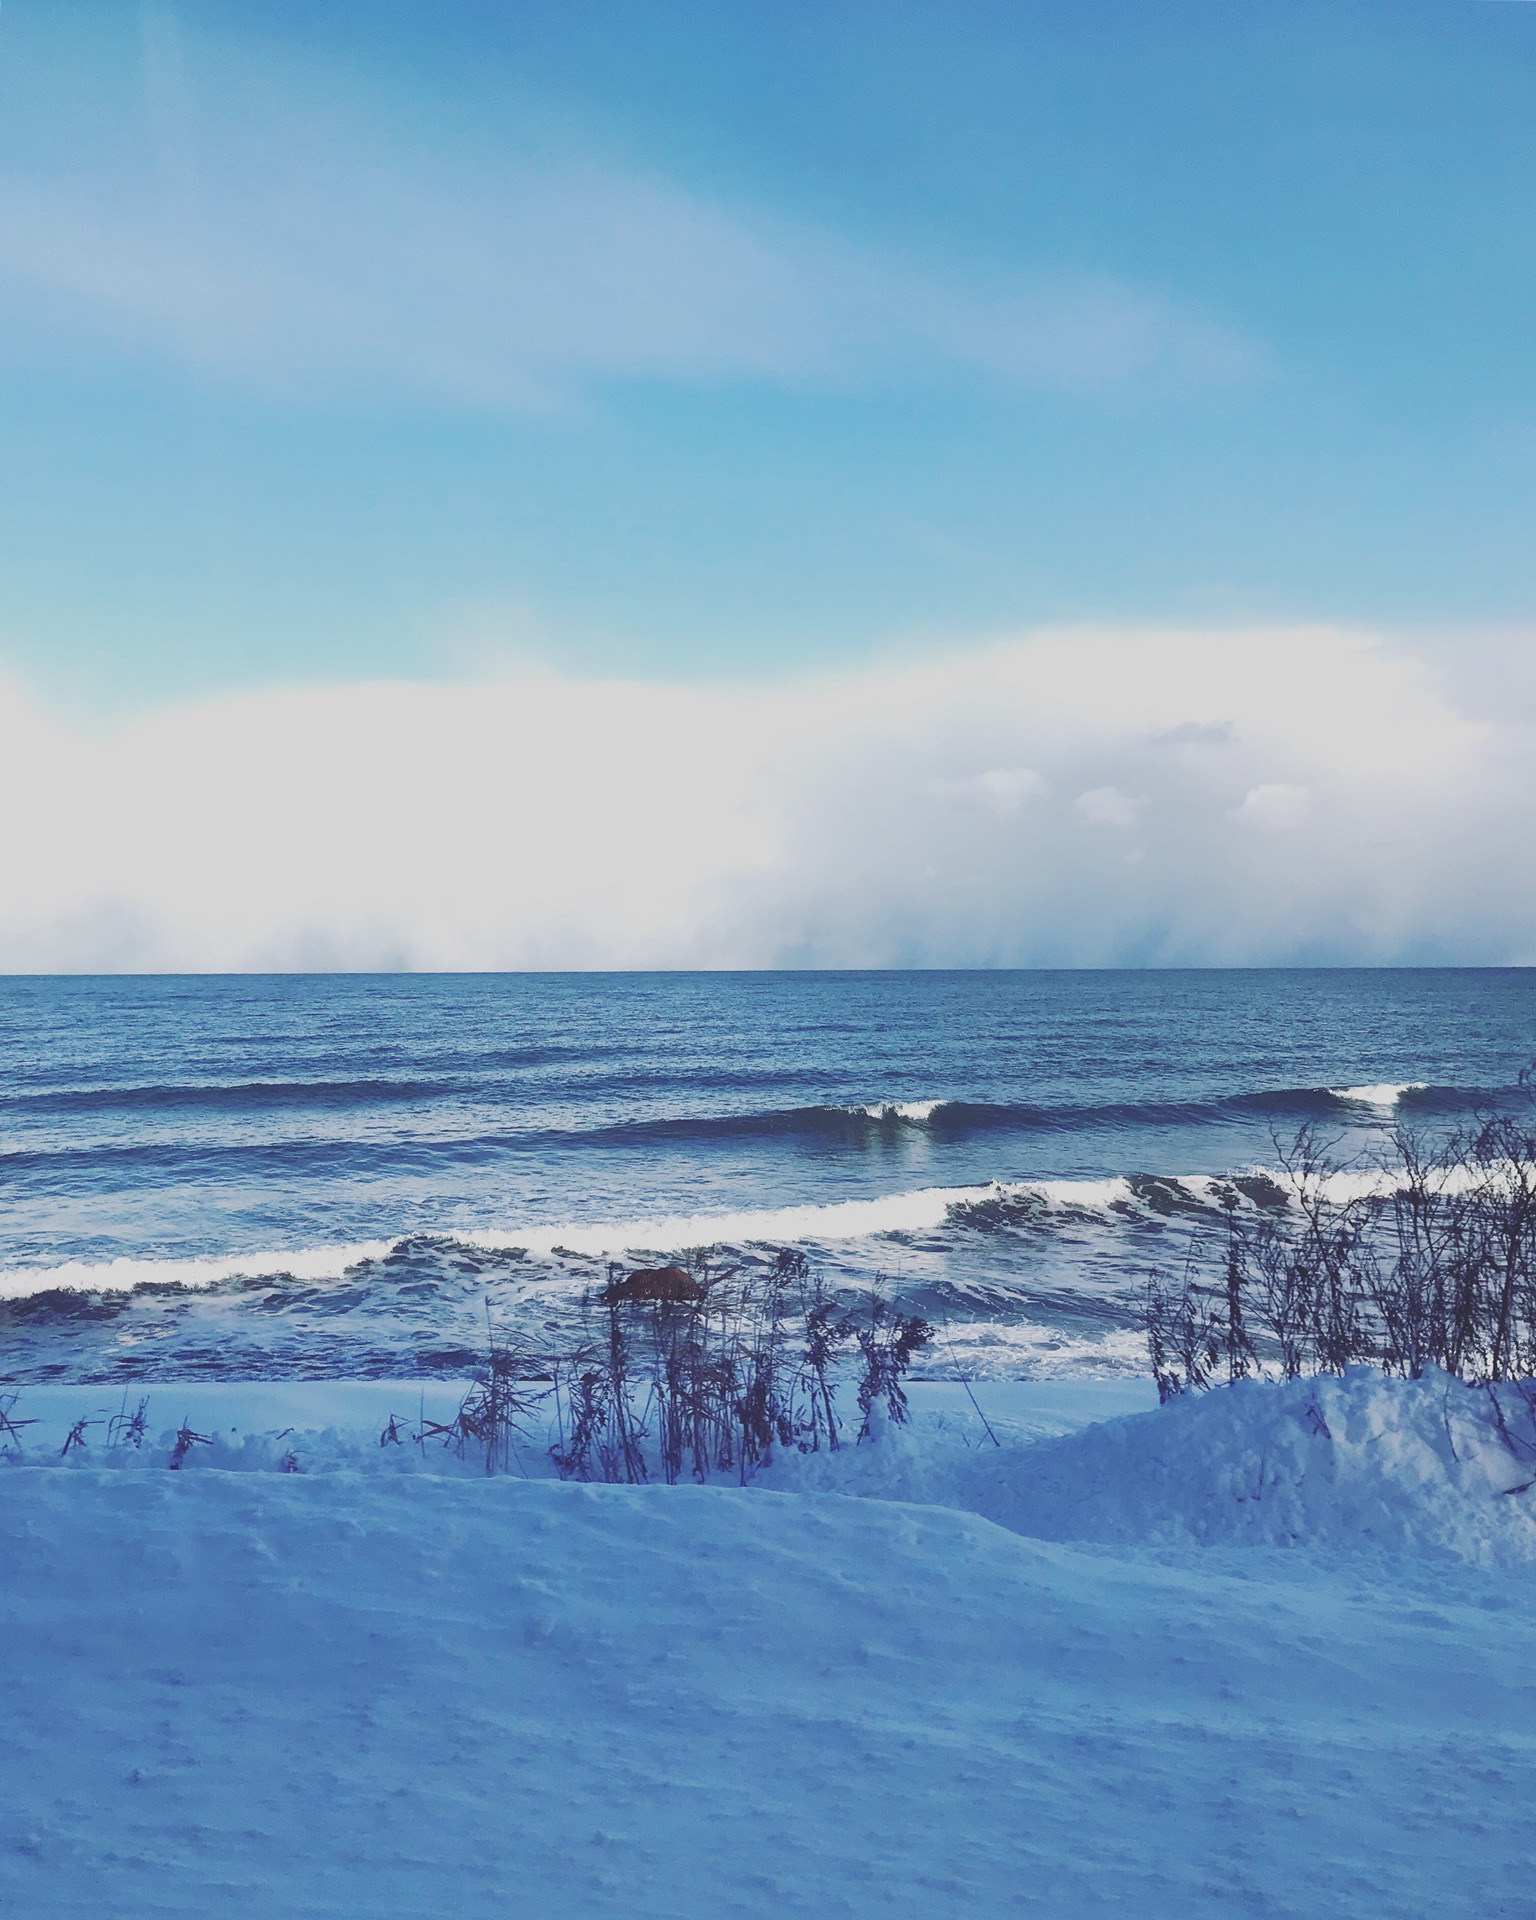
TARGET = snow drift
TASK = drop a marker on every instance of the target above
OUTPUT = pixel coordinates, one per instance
(1362, 1461)
(382, 1684)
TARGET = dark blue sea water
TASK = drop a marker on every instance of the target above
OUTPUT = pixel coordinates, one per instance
(338, 1174)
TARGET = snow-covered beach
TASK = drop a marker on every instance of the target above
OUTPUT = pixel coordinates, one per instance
(1277, 1657)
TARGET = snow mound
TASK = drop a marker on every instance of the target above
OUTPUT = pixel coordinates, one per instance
(1407, 1466)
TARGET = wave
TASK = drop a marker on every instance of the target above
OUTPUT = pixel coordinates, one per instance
(126, 1274)
(922, 1210)
(1386, 1093)
(916, 1112)
(219, 1095)
(948, 1117)
(925, 1210)
(857, 1119)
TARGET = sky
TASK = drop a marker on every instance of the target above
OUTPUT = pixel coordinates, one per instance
(767, 484)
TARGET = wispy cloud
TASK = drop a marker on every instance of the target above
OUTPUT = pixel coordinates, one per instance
(284, 236)
(1324, 798)
(1109, 807)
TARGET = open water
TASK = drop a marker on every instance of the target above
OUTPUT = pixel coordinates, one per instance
(341, 1175)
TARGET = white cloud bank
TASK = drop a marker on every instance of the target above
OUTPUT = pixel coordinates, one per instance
(1063, 798)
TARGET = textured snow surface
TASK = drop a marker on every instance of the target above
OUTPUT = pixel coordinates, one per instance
(377, 1693)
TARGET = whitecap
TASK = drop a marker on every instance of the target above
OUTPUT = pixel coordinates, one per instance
(1384, 1094)
(123, 1275)
(916, 1113)
(917, 1211)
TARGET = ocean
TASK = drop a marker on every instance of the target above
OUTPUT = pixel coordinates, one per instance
(343, 1176)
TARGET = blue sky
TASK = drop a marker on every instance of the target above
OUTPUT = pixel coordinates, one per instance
(711, 341)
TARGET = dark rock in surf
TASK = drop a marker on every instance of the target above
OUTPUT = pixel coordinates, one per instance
(672, 1285)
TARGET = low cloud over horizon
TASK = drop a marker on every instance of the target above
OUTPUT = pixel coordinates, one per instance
(1062, 798)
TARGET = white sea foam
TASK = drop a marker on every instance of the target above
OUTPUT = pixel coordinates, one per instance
(123, 1275)
(1008, 1349)
(1384, 1094)
(1086, 1196)
(916, 1112)
(922, 1210)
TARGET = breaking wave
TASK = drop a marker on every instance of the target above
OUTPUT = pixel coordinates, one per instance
(916, 1112)
(996, 1206)
(1387, 1093)
(950, 1117)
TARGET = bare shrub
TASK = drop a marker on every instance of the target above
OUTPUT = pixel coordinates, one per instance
(825, 1336)
(598, 1435)
(493, 1415)
(127, 1429)
(186, 1440)
(1501, 1230)
(1182, 1338)
(888, 1341)
(1233, 1337)
(1428, 1261)
(700, 1369)
(10, 1425)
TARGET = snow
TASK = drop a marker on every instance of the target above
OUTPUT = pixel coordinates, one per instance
(1085, 1671)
